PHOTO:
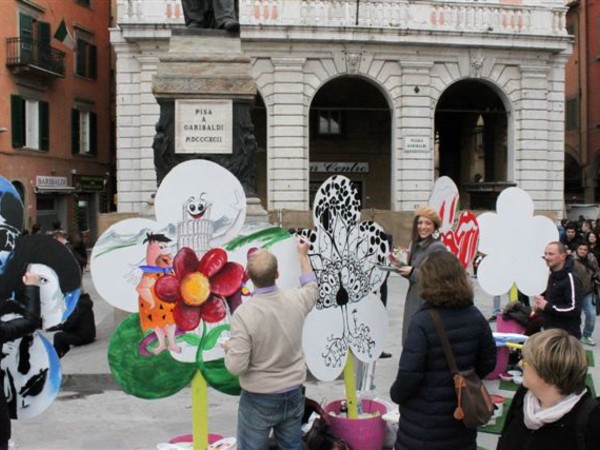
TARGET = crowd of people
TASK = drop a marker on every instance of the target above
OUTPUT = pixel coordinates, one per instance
(546, 410)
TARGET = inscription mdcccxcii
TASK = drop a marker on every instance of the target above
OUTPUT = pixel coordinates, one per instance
(203, 126)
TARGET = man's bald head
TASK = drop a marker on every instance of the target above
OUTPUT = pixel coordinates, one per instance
(262, 268)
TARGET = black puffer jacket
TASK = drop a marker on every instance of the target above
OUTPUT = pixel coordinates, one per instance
(424, 386)
(563, 294)
(559, 435)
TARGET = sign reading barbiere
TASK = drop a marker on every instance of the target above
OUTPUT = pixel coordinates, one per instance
(203, 126)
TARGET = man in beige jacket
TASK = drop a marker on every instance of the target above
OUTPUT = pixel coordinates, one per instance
(265, 350)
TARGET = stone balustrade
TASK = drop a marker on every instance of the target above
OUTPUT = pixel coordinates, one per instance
(528, 17)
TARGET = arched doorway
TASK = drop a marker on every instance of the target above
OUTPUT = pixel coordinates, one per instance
(471, 134)
(350, 135)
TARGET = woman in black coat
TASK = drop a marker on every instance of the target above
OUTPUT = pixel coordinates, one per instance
(424, 386)
(545, 411)
(28, 308)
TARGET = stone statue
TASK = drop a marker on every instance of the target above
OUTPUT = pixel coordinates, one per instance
(217, 14)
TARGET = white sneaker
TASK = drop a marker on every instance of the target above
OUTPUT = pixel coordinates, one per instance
(588, 341)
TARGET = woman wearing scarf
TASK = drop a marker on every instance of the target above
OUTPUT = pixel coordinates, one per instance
(544, 411)
(425, 241)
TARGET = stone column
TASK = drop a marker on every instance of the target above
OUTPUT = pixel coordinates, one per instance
(208, 68)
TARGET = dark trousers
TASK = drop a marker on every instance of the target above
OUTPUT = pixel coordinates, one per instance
(63, 341)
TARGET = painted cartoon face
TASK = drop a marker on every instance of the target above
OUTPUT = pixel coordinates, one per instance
(159, 254)
(51, 297)
(196, 206)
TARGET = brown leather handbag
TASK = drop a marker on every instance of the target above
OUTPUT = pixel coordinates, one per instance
(474, 405)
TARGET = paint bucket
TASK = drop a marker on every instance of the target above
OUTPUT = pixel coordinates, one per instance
(367, 433)
(503, 326)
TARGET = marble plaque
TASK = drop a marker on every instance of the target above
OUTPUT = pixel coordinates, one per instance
(203, 126)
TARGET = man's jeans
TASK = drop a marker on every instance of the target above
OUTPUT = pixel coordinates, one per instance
(258, 413)
(589, 311)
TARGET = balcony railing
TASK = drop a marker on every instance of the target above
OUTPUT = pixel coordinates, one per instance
(34, 56)
(530, 17)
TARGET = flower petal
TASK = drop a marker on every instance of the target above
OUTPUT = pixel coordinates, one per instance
(212, 262)
(185, 262)
(323, 342)
(228, 280)
(213, 310)
(495, 274)
(186, 317)
(369, 323)
(167, 288)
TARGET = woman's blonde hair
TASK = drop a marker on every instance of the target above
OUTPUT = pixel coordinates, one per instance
(558, 358)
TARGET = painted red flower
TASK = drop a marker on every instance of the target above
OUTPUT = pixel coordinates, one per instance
(199, 288)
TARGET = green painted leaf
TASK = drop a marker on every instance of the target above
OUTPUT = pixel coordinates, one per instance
(148, 377)
(211, 338)
(267, 238)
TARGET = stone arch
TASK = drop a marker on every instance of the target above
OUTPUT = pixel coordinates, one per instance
(350, 133)
(472, 127)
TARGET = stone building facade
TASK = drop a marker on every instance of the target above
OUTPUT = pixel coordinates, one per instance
(391, 93)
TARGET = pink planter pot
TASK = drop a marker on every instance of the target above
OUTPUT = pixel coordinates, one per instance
(362, 434)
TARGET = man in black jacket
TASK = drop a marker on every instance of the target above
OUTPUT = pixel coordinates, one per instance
(561, 303)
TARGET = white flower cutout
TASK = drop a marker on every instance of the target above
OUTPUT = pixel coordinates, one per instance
(345, 256)
(513, 240)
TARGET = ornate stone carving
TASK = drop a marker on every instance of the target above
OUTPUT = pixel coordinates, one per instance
(476, 65)
(353, 62)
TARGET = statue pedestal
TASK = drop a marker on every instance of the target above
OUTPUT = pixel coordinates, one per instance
(205, 90)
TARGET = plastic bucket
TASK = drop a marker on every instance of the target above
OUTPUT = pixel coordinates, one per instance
(366, 433)
(503, 326)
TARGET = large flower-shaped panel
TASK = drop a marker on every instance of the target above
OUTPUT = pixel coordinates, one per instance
(513, 240)
(345, 255)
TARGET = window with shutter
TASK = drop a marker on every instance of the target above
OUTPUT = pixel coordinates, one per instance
(30, 123)
(83, 132)
(86, 65)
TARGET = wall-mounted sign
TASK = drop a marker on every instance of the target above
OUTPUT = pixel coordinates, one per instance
(48, 182)
(339, 167)
(417, 144)
(89, 183)
(203, 126)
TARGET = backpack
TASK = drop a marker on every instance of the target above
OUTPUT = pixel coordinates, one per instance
(583, 417)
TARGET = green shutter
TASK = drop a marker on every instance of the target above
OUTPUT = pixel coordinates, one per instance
(80, 63)
(43, 44)
(93, 61)
(26, 35)
(44, 124)
(74, 131)
(43, 34)
(93, 134)
(17, 112)
(25, 26)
